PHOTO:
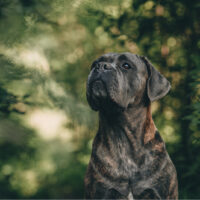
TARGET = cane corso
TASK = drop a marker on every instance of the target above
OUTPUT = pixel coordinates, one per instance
(129, 159)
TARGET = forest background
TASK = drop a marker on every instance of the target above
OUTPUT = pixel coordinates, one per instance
(46, 49)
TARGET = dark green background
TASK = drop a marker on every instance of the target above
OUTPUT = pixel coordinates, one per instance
(46, 48)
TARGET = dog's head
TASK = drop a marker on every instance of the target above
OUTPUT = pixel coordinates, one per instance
(122, 79)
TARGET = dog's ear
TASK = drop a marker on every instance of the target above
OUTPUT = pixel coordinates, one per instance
(157, 85)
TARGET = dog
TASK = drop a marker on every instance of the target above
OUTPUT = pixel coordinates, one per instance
(129, 159)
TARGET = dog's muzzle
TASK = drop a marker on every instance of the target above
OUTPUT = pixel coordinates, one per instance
(98, 89)
(100, 79)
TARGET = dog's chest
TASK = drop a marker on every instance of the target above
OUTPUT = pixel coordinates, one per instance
(129, 155)
(134, 160)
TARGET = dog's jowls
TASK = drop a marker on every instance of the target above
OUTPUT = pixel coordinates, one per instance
(129, 159)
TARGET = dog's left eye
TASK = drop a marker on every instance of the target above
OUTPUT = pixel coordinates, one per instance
(126, 66)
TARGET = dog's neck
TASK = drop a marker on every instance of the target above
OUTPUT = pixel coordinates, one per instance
(135, 122)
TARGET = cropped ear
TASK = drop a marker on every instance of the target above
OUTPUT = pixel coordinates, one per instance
(157, 85)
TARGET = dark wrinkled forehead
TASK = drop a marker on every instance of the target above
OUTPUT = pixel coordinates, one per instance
(117, 57)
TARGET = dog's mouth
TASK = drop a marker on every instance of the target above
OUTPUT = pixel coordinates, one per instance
(102, 96)
(98, 89)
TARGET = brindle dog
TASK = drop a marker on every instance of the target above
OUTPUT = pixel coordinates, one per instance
(129, 159)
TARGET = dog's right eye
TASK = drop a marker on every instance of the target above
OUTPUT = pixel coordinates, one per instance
(126, 66)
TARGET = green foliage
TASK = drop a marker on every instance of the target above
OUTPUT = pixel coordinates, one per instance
(46, 50)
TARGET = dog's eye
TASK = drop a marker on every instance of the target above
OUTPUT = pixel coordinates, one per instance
(126, 66)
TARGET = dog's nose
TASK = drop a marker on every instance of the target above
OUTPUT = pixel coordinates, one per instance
(102, 66)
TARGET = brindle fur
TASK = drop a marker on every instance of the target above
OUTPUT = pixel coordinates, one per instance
(129, 159)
